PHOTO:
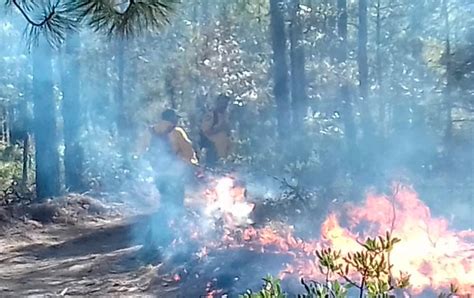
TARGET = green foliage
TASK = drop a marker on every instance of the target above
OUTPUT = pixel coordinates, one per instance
(10, 166)
(271, 289)
(332, 289)
(124, 19)
(221, 46)
(372, 265)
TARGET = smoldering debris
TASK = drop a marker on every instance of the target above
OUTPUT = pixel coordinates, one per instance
(69, 209)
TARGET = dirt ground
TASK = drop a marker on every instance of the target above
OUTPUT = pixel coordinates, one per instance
(81, 247)
(84, 255)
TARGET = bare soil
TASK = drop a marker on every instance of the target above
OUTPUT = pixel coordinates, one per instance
(80, 249)
(80, 246)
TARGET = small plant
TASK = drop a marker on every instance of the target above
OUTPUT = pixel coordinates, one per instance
(453, 291)
(271, 289)
(372, 266)
(328, 289)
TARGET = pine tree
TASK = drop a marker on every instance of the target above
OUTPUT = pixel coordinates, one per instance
(48, 26)
(111, 17)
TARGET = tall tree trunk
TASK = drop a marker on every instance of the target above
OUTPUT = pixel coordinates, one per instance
(330, 30)
(119, 92)
(367, 147)
(72, 114)
(344, 94)
(298, 77)
(378, 66)
(25, 134)
(448, 105)
(6, 125)
(280, 67)
(331, 20)
(170, 88)
(25, 159)
(124, 128)
(45, 130)
(362, 61)
(362, 51)
(205, 12)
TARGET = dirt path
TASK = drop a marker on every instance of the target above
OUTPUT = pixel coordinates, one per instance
(96, 256)
(93, 257)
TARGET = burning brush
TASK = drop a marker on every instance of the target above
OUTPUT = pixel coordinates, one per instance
(432, 254)
(224, 201)
(227, 200)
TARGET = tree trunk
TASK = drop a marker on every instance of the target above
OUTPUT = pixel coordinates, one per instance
(72, 114)
(45, 130)
(362, 51)
(25, 159)
(124, 127)
(25, 128)
(344, 94)
(170, 88)
(378, 67)
(298, 77)
(6, 125)
(367, 123)
(367, 148)
(119, 92)
(280, 67)
(330, 30)
(331, 18)
(448, 105)
(205, 12)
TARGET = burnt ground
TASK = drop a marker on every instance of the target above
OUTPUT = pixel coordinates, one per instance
(93, 253)
(82, 246)
(64, 258)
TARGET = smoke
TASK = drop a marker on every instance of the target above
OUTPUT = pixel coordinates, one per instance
(186, 69)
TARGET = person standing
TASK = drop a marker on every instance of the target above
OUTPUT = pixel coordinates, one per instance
(215, 132)
(172, 158)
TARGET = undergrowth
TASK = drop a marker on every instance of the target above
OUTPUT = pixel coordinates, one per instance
(367, 273)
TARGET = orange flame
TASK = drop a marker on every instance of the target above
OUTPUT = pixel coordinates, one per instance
(434, 255)
(227, 201)
(430, 252)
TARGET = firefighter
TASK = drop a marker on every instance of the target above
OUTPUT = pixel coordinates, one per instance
(215, 132)
(172, 157)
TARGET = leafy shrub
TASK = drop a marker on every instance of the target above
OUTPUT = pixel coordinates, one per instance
(371, 266)
(271, 289)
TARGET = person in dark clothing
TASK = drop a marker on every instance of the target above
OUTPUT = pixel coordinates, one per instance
(215, 132)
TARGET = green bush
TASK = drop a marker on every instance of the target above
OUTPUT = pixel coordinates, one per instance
(371, 266)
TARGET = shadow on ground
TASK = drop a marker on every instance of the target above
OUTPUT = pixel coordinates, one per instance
(91, 241)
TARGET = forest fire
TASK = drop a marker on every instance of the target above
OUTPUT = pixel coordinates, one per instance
(160, 148)
(430, 253)
(227, 200)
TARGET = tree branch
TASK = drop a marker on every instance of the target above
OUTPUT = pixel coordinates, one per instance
(350, 281)
(463, 120)
(29, 20)
(137, 17)
(392, 227)
(394, 214)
